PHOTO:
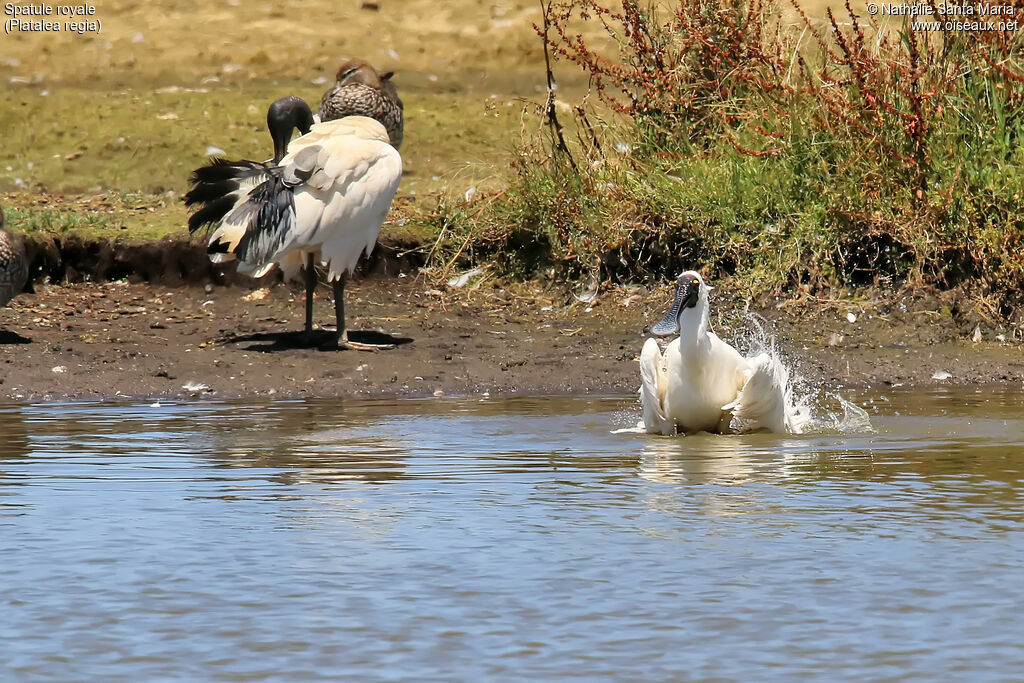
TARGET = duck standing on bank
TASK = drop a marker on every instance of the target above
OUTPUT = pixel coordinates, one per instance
(13, 264)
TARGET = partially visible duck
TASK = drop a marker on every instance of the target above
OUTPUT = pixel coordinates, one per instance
(360, 90)
(13, 264)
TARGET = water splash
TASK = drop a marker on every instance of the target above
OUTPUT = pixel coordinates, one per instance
(803, 397)
(854, 419)
(771, 368)
(638, 428)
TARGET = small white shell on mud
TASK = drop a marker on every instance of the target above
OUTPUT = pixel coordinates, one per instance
(461, 280)
(257, 294)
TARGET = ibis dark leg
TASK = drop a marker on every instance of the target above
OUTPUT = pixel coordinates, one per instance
(339, 313)
(339, 309)
(310, 288)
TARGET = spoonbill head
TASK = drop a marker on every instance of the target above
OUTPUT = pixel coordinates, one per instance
(690, 301)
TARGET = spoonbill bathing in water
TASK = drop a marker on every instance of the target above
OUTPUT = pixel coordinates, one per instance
(702, 384)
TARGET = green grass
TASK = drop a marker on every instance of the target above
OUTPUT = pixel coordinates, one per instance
(806, 184)
(137, 148)
(149, 141)
(122, 216)
(101, 139)
(34, 221)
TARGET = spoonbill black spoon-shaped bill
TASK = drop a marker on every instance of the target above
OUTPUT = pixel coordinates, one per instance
(687, 295)
(701, 383)
(324, 201)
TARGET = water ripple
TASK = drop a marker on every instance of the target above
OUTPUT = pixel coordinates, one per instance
(505, 539)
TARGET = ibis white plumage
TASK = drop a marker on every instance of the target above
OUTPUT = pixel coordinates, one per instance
(323, 202)
(702, 384)
(323, 197)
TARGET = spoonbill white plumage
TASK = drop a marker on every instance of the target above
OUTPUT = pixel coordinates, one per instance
(701, 383)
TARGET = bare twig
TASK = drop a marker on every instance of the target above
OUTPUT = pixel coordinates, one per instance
(552, 115)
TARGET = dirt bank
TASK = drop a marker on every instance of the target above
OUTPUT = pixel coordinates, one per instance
(176, 261)
(109, 340)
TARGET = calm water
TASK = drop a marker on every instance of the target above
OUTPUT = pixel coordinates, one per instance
(508, 539)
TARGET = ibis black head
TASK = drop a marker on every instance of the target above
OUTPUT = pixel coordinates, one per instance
(284, 116)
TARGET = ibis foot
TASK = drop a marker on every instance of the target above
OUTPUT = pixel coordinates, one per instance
(343, 342)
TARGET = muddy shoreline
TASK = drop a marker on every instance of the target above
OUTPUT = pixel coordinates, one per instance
(182, 328)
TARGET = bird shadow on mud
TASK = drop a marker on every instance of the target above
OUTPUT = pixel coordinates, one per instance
(323, 340)
(8, 337)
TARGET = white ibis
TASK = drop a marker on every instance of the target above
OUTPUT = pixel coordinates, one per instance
(322, 199)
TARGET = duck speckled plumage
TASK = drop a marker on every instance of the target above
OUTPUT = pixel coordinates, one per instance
(360, 91)
(13, 265)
